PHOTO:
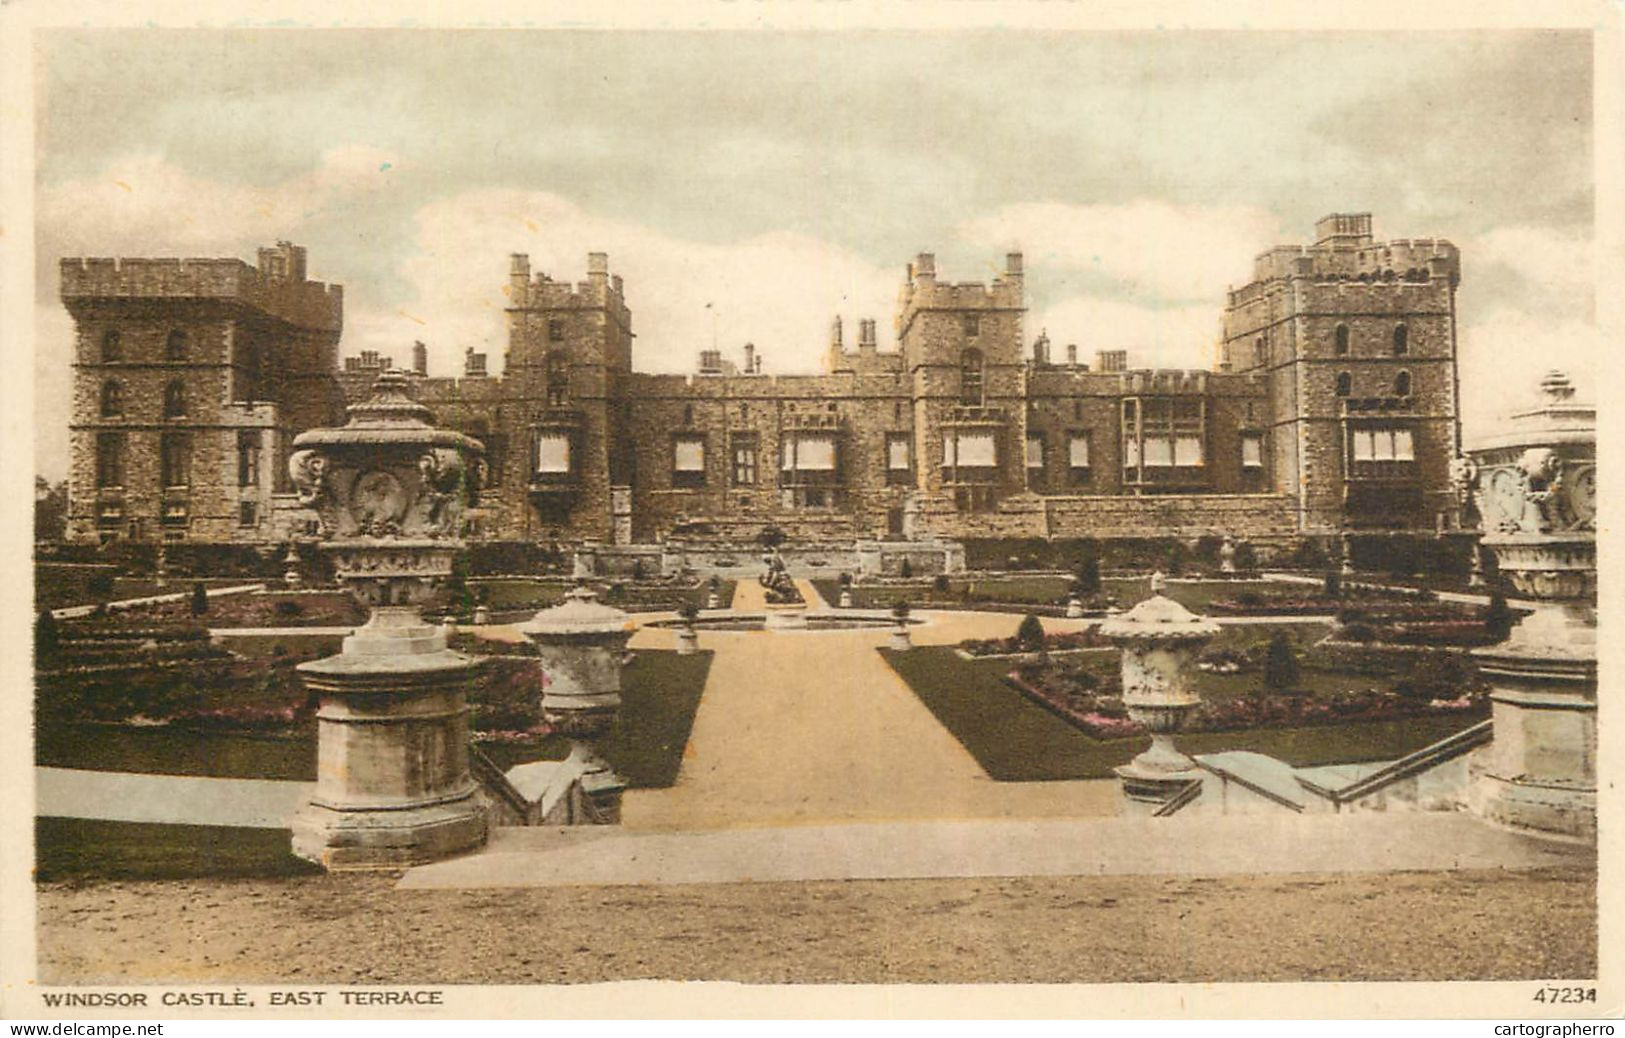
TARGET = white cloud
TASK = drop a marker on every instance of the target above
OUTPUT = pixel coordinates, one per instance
(1148, 247)
(1169, 337)
(143, 205)
(1503, 355)
(779, 290)
(1557, 262)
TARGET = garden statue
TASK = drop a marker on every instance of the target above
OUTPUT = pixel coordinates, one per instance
(1159, 639)
(1227, 556)
(393, 786)
(713, 593)
(290, 566)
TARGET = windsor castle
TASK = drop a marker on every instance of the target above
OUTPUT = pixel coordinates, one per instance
(1332, 407)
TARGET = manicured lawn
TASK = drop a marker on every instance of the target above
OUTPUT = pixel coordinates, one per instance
(1017, 589)
(167, 750)
(509, 595)
(1016, 740)
(660, 694)
(296, 646)
(1042, 590)
(56, 587)
(82, 849)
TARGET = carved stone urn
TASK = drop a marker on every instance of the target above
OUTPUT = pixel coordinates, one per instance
(1159, 639)
(1534, 486)
(393, 786)
(581, 646)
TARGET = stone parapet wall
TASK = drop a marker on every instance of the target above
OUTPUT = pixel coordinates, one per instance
(306, 304)
(1257, 517)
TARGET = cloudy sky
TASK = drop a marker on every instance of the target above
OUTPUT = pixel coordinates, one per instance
(789, 177)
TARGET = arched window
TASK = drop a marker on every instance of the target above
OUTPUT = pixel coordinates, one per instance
(1261, 352)
(175, 345)
(558, 379)
(112, 345)
(1402, 343)
(1340, 340)
(688, 414)
(112, 399)
(1345, 383)
(970, 378)
(1402, 384)
(175, 399)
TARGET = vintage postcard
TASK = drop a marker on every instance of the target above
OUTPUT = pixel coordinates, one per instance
(837, 509)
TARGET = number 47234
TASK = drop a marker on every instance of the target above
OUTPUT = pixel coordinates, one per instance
(1557, 995)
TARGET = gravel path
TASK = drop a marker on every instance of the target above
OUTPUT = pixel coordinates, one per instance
(1479, 925)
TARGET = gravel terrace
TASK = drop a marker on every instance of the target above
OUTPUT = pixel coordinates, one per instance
(1480, 925)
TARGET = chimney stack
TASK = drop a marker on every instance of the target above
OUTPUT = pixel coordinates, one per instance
(1072, 354)
(925, 267)
(597, 266)
(866, 335)
(420, 358)
(1012, 264)
(750, 358)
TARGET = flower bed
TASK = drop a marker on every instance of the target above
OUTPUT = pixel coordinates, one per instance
(1088, 638)
(1091, 700)
(255, 609)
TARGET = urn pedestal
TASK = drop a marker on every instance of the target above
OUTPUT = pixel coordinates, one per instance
(1534, 486)
(1159, 639)
(392, 781)
(580, 645)
(393, 786)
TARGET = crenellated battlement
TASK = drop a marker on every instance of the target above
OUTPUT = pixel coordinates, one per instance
(601, 291)
(1399, 262)
(922, 291)
(288, 297)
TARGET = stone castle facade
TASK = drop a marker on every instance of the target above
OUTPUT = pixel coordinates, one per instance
(1333, 407)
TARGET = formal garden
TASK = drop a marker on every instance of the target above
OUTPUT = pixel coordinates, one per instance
(1042, 705)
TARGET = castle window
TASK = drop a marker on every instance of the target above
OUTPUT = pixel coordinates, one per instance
(112, 399)
(1345, 383)
(109, 459)
(1381, 444)
(1402, 384)
(558, 379)
(973, 325)
(970, 378)
(551, 453)
(1077, 410)
(175, 400)
(1252, 451)
(897, 411)
(1077, 457)
(247, 514)
(175, 460)
(899, 464)
(688, 414)
(962, 450)
(1035, 451)
(112, 345)
(688, 461)
(1340, 340)
(808, 452)
(248, 459)
(744, 412)
(1261, 351)
(1402, 343)
(555, 331)
(175, 345)
(1164, 440)
(744, 468)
